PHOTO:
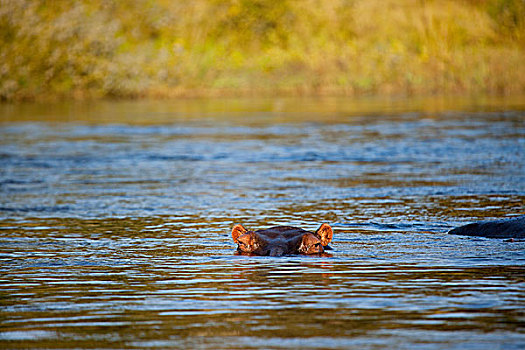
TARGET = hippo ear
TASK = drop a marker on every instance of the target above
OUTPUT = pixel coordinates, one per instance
(237, 231)
(325, 233)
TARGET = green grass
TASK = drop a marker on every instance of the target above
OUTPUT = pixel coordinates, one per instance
(145, 48)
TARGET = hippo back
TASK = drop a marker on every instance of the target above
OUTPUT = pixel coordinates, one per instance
(504, 228)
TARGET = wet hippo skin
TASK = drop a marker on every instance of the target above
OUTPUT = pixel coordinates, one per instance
(282, 240)
(504, 228)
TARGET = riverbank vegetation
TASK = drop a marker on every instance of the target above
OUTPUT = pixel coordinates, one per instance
(145, 48)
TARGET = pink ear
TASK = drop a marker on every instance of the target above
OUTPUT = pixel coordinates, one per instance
(237, 231)
(325, 233)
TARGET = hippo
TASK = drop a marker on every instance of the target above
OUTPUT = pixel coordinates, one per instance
(282, 240)
(503, 228)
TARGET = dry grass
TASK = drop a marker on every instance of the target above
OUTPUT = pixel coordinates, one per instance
(79, 49)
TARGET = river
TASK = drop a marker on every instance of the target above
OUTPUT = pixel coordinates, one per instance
(115, 221)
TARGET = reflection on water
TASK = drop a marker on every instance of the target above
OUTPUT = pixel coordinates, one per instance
(115, 221)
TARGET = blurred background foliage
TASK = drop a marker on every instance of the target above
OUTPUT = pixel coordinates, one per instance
(162, 48)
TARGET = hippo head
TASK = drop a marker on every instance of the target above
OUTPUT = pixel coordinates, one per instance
(281, 240)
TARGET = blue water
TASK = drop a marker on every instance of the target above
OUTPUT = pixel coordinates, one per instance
(115, 224)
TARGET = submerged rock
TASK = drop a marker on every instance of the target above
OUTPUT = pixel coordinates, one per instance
(504, 228)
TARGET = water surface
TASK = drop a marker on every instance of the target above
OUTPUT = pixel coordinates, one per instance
(115, 222)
